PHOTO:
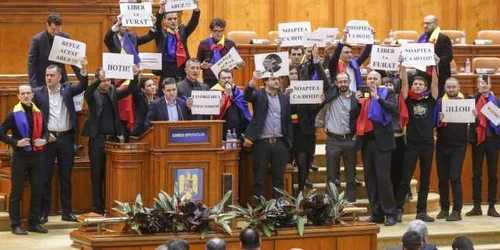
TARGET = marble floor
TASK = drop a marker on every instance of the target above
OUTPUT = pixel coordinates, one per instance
(484, 230)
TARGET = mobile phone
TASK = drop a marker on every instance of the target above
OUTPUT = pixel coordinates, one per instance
(485, 78)
(365, 91)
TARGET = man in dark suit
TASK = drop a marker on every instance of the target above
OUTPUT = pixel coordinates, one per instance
(376, 137)
(56, 102)
(190, 83)
(270, 130)
(169, 107)
(114, 37)
(38, 55)
(29, 136)
(172, 41)
(442, 48)
(419, 227)
(103, 124)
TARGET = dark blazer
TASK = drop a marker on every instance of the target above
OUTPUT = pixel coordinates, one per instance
(384, 135)
(425, 247)
(9, 123)
(472, 128)
(444, 51)
(185, 31)
(158, 111)
(334, 62)
(38, 59)
(68, 91)
(260, 103)
(141, 106)
(205, 52)
(114, 45)
(94, 102)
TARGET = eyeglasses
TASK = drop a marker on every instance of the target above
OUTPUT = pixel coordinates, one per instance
(218, 31)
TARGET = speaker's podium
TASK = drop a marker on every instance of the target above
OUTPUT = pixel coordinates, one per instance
(186, 156)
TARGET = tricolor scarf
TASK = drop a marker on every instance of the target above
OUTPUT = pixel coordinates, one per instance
(216, 48)
(342, 68)
(414, 96)
(439, 105)
(174, 48)
(424, 38)
(129, 48)
(126, 109)
(483, 120)
(404, 117)
(371, 110)
(237, 99)
(23, 125)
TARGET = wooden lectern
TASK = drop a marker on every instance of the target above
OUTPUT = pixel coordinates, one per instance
(186, 156)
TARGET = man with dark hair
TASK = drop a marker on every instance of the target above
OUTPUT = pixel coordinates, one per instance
(212, 49)
(38, 55)
(103, 125)
(462, 243)
(115, 35)
(174, 245)
(450, 153)
(485, 140)
(421, 228)
(249, 239)
(270, 130)
(234, 108)
(29, 136)
(169, 107)
(411, 240)
(442, 49)
(215, 244)
(172, 41)
(343, 61)
(190, 83)
(421, 103)
(55, 99)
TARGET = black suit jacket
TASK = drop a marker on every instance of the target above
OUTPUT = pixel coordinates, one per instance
(334, 62)
(444, 51)
(114, 45)
(38, 59)
(68, 91)
(169, 69)
(260, 103)
(472, 128)
(158, 111)
(384, 135)
(425, 247)
(94, 102)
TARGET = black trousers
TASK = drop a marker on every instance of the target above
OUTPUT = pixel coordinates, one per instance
(489, 149)
(424, 153)
(62, 150)
(376, 167)
(263, 154)
(31, 164)
(397, 160)
(449, 163)
(347, 150)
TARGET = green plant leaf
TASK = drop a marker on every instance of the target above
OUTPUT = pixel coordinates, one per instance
(300, 225)
(203, 233)
(266, 230)
(226, 227)
(285, 193)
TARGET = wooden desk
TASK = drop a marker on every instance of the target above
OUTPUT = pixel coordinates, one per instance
(462, 52)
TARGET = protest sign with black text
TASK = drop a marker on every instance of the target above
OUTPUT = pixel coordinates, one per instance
(228, 61)
(385, 58)
(67, 51)
(272, 64)
(136, 14)
(206, 102)
(292, 34)
(118, 66)
(306, 92)
(178, 5)
(359, 31)
(458, 111)
(150, 61)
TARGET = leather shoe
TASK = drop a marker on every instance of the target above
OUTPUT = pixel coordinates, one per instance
(18, 230)
(399, 215)
(375, 220)
(476, 210)
(44, 219)
(37, 229)
(313, 167)
(336, 182)
(454, 216)
(493, 212)
(442, 214)
(358, 182)
(69, 217)
(424, 217)
(390, 221)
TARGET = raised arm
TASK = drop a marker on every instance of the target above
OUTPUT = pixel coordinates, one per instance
(249, 94)
(366, 51)
(434, 84)
(83, 78)
(193, 22)
(403, 74)
(150, 35)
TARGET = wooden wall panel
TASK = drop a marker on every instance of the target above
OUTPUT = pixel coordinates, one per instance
(375, 11)
(309, 11)
(476, 15)
(246, 15)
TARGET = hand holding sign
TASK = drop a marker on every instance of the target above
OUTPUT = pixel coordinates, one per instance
(67, 51)
(136, 15)
(359, 31)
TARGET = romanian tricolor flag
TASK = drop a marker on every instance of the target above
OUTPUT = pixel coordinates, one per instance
(126, 105)
(24, 128)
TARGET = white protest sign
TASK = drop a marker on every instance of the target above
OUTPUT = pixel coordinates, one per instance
(418, 55)
(136, 14)
(330, 33)
(359, 31)
(67, 51)
(385, 58)
(150, 61)
(492, 112)
(306, 92)
(272, 64)
(311, 38)
(206, 102)
(78, 101)
(118, 66)
(292, 34)
(228, 61)
(458, 111)
(178, 5)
